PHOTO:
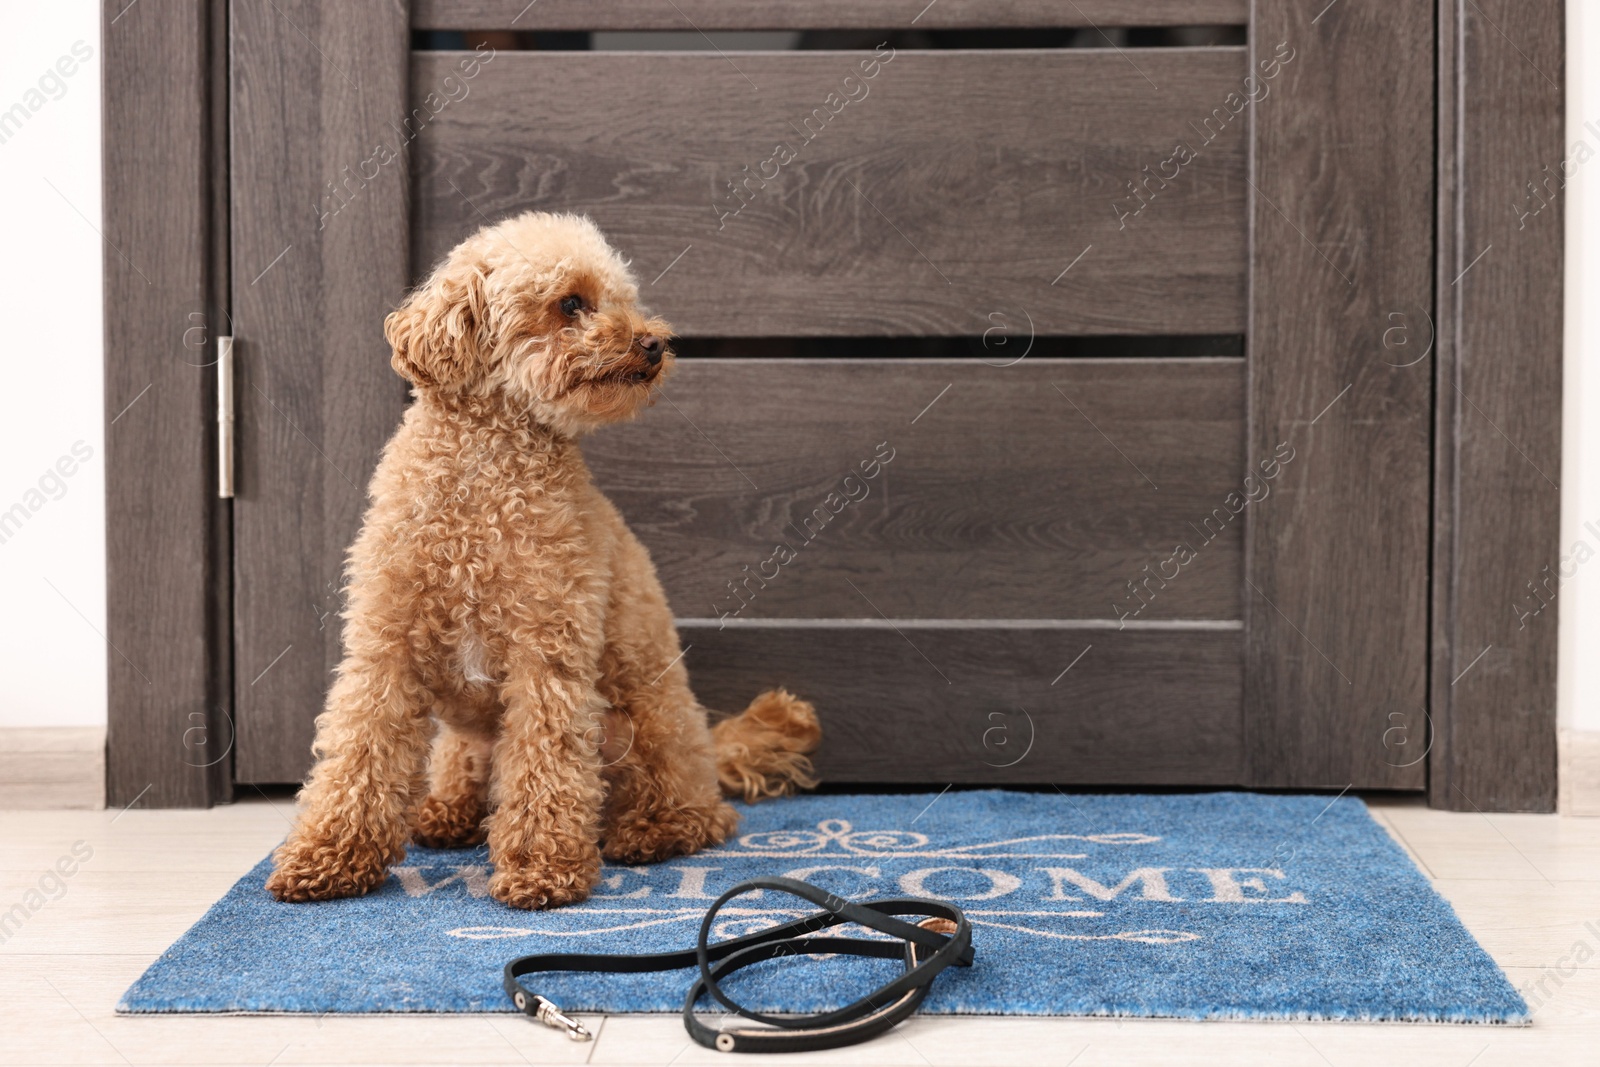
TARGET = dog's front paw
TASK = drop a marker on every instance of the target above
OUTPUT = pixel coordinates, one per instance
(309, 870)
(543, 886)
(647, 837)
(449, 824)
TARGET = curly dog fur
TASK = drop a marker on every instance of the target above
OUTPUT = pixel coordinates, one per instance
(511, 671)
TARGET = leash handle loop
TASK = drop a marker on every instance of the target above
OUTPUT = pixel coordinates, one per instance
(838, 911)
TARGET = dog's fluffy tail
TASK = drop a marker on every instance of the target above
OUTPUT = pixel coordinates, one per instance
(761, 752)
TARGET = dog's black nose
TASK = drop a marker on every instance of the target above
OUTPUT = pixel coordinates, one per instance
(651, 345)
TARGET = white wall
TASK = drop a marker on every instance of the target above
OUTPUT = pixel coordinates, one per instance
(52, 559)
(1579, 600)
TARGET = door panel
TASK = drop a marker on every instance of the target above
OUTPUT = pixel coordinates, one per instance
(925, 206)
(1034, 491)
(1093, 706)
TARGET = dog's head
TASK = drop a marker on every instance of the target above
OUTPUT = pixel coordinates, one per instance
(541, 311)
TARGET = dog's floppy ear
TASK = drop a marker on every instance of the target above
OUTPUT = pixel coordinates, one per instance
(440, 334)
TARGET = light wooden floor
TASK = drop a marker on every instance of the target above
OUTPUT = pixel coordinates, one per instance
(1525, 885)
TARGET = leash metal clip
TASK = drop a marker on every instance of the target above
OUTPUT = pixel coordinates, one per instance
(545, 1010)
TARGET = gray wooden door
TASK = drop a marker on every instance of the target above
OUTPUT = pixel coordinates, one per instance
(1109, 315)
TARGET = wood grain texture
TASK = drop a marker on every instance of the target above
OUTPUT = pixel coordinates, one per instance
(930, 707)
(962, 185)
(319, 257)
(165, 538)
(815, 14)
(1497, 552)
(1038, 490)
(1337, 561)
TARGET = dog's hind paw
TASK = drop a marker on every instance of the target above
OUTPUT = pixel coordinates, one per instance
(651, 837)
(445, 824)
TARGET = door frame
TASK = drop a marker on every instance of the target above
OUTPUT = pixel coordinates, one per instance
(165, 224)
(1497, 435)
(1488, 730)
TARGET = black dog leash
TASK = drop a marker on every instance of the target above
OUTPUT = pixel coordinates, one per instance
(942, 939)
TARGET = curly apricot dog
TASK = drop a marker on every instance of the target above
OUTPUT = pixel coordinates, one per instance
(501, 611)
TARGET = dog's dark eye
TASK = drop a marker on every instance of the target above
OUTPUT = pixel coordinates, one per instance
(571, 305)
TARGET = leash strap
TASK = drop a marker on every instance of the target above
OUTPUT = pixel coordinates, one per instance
(942, 939)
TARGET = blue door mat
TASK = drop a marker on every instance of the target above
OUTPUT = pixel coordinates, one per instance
(1195, 906)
